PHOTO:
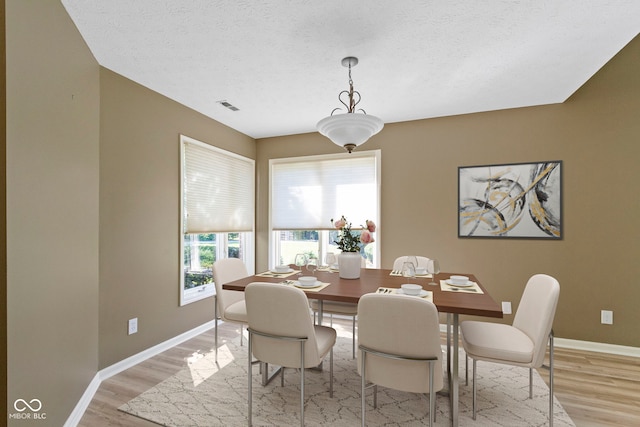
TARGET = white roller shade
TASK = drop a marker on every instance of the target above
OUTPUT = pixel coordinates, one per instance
(306, 193)
(218, 189)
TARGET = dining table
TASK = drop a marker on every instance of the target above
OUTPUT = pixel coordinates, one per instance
(454, 301)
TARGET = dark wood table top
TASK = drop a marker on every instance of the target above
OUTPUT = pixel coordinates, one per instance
(350, 290)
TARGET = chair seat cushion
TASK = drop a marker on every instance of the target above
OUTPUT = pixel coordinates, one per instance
(496, 342)
(335, 307)
(236, 312)
(325, 339)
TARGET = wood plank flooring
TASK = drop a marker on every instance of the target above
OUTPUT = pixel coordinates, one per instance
(595, 389)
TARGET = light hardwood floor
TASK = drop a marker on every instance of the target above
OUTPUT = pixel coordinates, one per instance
(595, 389)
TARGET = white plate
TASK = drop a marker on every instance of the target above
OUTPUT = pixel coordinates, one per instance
(465, 285)
(300, 285)
(423, 275)
(422, 293)
(281, 272)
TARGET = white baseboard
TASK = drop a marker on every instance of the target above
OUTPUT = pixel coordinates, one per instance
(108, 372)
(597, 347)
(129, 362)
(83, 403)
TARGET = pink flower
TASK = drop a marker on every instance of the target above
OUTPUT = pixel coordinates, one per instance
(371, 226)
(366, 237)
(340, 223)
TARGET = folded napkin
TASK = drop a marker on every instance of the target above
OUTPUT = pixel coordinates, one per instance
(428, 295)
(475, 289)
(417, 276)
(306, 289)
(274, 274)
(327, 268)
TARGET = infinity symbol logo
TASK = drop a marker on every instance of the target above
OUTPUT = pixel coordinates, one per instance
(21, 405)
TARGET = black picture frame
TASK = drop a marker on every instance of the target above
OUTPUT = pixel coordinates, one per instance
(517, 200)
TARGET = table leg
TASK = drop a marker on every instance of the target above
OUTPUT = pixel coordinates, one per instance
(320, 312)
(449, 345)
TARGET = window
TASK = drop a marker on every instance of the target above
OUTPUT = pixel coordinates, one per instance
(307, 192)
(217, 221)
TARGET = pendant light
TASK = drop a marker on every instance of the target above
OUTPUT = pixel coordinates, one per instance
(355, 127)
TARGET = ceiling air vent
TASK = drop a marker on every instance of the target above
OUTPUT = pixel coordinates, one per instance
(229, 106)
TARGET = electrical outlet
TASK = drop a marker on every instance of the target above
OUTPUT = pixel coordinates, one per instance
(606, 317)
(133, 325)
(506, 307)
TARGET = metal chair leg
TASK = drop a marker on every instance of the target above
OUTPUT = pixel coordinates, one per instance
(250, 400)
(331, 372)
(215, 316)
(301, 383)
(466, 369)
(432, 397)
(362, 387)
(551, 379)
(474, 388)
(353, 340)
(375, 396)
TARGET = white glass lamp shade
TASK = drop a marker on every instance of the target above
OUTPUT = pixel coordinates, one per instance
(349, 130)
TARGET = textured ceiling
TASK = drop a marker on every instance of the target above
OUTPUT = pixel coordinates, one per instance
(278, 61)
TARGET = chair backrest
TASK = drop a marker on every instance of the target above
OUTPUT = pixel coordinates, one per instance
(422, 262)
(404, 326)
(224, 271)
(536, 311)
(282, 311)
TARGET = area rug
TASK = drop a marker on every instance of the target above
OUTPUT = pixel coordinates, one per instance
(210, 394)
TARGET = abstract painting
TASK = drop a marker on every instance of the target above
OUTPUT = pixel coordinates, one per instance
(522, 200)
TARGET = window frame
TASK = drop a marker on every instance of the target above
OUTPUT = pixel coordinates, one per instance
(323, 240)
(188, 296)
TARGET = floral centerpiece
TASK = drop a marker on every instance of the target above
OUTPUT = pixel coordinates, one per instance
(349, 242)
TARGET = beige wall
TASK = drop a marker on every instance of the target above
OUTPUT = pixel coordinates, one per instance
(140, 214)
(92, 205)
(595, 133)
(3, 215)
(52, 209)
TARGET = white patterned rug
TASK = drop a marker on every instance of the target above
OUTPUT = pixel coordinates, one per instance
(205, 394)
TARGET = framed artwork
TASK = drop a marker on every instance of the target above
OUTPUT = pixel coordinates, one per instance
(521, 200)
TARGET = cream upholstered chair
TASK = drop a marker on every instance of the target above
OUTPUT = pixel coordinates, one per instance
(282, 333)
(230, 305)
(422, 262)
(399, 346)
(523, 343)
(340, 308)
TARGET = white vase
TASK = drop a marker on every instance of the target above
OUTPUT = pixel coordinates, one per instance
(349, 265)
